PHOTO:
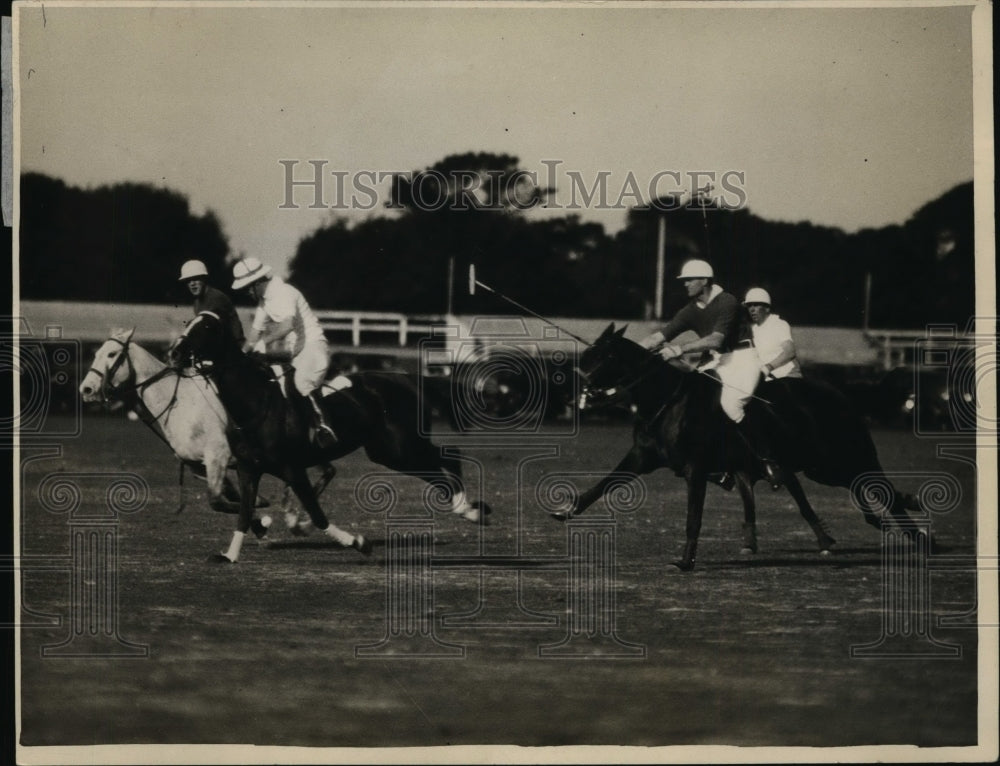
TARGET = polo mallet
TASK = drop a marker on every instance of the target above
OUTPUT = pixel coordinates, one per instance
(181, 501)
(700, 194)
(692, 368)
(473, 283)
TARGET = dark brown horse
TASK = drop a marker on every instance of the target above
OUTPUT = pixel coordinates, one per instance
(269, 424)
(680, 425)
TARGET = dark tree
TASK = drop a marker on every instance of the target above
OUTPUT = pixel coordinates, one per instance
(123, 243)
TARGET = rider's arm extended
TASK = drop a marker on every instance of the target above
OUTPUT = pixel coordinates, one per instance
(786, 355)
(267, 330)
(724, 316)
(276, 331)
(670, 330)
(710, 342)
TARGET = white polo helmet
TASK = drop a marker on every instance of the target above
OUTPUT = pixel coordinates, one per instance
(248, 271)
(696, 269)
(757, 295)
(192, 270)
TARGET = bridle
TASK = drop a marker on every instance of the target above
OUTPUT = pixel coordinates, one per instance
(130, 390)
(628, 381)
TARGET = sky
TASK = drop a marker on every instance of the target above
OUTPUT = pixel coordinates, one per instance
(851, 117)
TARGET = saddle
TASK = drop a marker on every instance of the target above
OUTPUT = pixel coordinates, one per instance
(285, 375)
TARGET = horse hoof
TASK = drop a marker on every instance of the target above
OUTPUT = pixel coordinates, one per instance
(483, 507)
(747, 551)
(563, 514)
(825, 552)
(219, 558)
(684, 566)
(362, 545)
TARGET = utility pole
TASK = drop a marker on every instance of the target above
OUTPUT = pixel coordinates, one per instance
(449, 304)
(661, 247)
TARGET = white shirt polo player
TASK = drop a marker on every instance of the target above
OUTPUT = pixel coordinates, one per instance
(306, 343)
(768, 337)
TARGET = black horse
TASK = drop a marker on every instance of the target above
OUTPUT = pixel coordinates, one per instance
(680, 425)
(269, 424)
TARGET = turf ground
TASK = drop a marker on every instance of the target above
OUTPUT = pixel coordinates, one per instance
(743, 651)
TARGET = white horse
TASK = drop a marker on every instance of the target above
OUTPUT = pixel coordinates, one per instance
(184, 410)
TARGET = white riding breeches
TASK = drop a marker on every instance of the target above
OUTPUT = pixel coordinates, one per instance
(740, 373)
(310, 367)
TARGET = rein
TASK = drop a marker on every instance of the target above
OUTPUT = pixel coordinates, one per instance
(649, 366)
(130, 390)
(254, 422)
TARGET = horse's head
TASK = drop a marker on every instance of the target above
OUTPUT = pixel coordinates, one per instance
(110, 369)
(202, 342)
(611, 362)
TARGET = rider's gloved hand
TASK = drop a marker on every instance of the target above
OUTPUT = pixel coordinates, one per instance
(669, 351)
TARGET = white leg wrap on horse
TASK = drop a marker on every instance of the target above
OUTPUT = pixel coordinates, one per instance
(234, 546)
(344, 538)
(461, 506)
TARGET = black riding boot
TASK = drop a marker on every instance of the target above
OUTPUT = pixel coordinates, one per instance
(325, 437)
(760, 447)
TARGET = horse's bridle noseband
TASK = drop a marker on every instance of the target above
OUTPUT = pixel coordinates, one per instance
(109, 391)
(131, 386)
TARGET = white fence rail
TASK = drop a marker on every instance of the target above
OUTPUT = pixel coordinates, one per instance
(367, 327)
(401, 335)
(904, 348)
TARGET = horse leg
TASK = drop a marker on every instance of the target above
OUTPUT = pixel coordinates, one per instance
(697, 483)
(296, 525)
(451, 469)
(745, 487)
(222, 495)
(892, 507)
(418, 456)
(249, 481)
(299, 526)
(823, 538)
(901, 502)
(323, 481)
(298, 480)
(636, 461)
(868, 505)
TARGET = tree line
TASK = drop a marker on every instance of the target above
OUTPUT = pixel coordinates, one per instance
(125, 243)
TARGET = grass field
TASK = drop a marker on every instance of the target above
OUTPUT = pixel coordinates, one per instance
(743, 651)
